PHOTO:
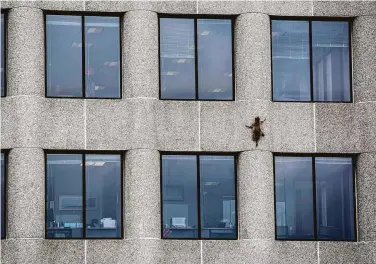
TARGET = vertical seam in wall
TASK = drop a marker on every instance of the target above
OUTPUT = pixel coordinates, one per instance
(85, 261)
(85, 123)
(318, 252)
(199, 125)
(202, 260)
(197, 7)
(314, 125)
(312, 7)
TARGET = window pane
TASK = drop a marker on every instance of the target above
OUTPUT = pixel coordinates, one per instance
(214, 40)
(179, 183)
(2, 56)
(2, 195)
(294, 198)
(103, 196)
(102, 57)
(177, 51)
(64, 56)
(330, 60)
(218, 208)
(64, 196)
(335, 198)
(291, 66)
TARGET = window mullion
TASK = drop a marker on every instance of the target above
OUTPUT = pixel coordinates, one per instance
(196, 58)
(310, 62)
(83, 64)
(314, 197)
(84, 195)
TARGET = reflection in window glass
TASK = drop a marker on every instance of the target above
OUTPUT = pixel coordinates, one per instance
(218, 208)
(177, 58)
(2, 38)
(179, 183)
(2, 195)
(102, 57)
(103, 196)
(64, 56)
(294, 198)
(291, 62)
(335, 198)
(64, 196)
(214, 41)
(330, 60)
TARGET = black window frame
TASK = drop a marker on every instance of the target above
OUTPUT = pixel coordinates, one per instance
(349, 20)
(195, 18)
(6, 157)
(83, 62)
(5, 40)
(198, 154)
(84, 153)
(314, 156)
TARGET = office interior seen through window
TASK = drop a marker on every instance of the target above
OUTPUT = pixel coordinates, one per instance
(126, 132)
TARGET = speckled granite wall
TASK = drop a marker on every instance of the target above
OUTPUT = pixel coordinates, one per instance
(142, 125)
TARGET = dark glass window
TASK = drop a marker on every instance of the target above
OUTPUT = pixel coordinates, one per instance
(311, 61)
(83, 56)
(3, 55)
(94, 199)
(314, 198)
(3, 171)
(199, 196)
(196, 60)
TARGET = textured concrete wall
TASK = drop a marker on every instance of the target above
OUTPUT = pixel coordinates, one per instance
(141, 125)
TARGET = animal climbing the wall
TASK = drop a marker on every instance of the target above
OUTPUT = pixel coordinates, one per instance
(257, 132)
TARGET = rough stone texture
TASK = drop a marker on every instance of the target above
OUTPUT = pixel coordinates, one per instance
(256, 195)
(366, 120)
(223, 125)
(171, 7)
(142, 194)
(145, 251)
(259, 251)
(64, 124)
(131, 123)
(20, 122)
(178, 125)
(25, 190)
(364, 59)
(140, 54)
(342, 119)
(270, 7)
(25, 52)
(343, 8)
(292, 127)
(68, 5)
(366, 196)
(252, 57)
(38, 251)
(347, 253)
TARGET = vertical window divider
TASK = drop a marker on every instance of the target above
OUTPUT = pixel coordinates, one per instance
(196, 59)
(314, 197)
(84, 195)
(310, 62)
(83, 63)
(198, 197)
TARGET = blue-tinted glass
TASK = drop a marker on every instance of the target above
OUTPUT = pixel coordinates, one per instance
(2, 40)
(294, 198)
(177, 58)
(335, 198)
(214, 41)
(102, 57)
(64, 196)
(2, 220)
(179, 187)
(218, 201)
(103, 196)
(64, 56)
(330, 61)
(291, 66)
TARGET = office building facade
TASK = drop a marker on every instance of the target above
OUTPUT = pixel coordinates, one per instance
(129, 132)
